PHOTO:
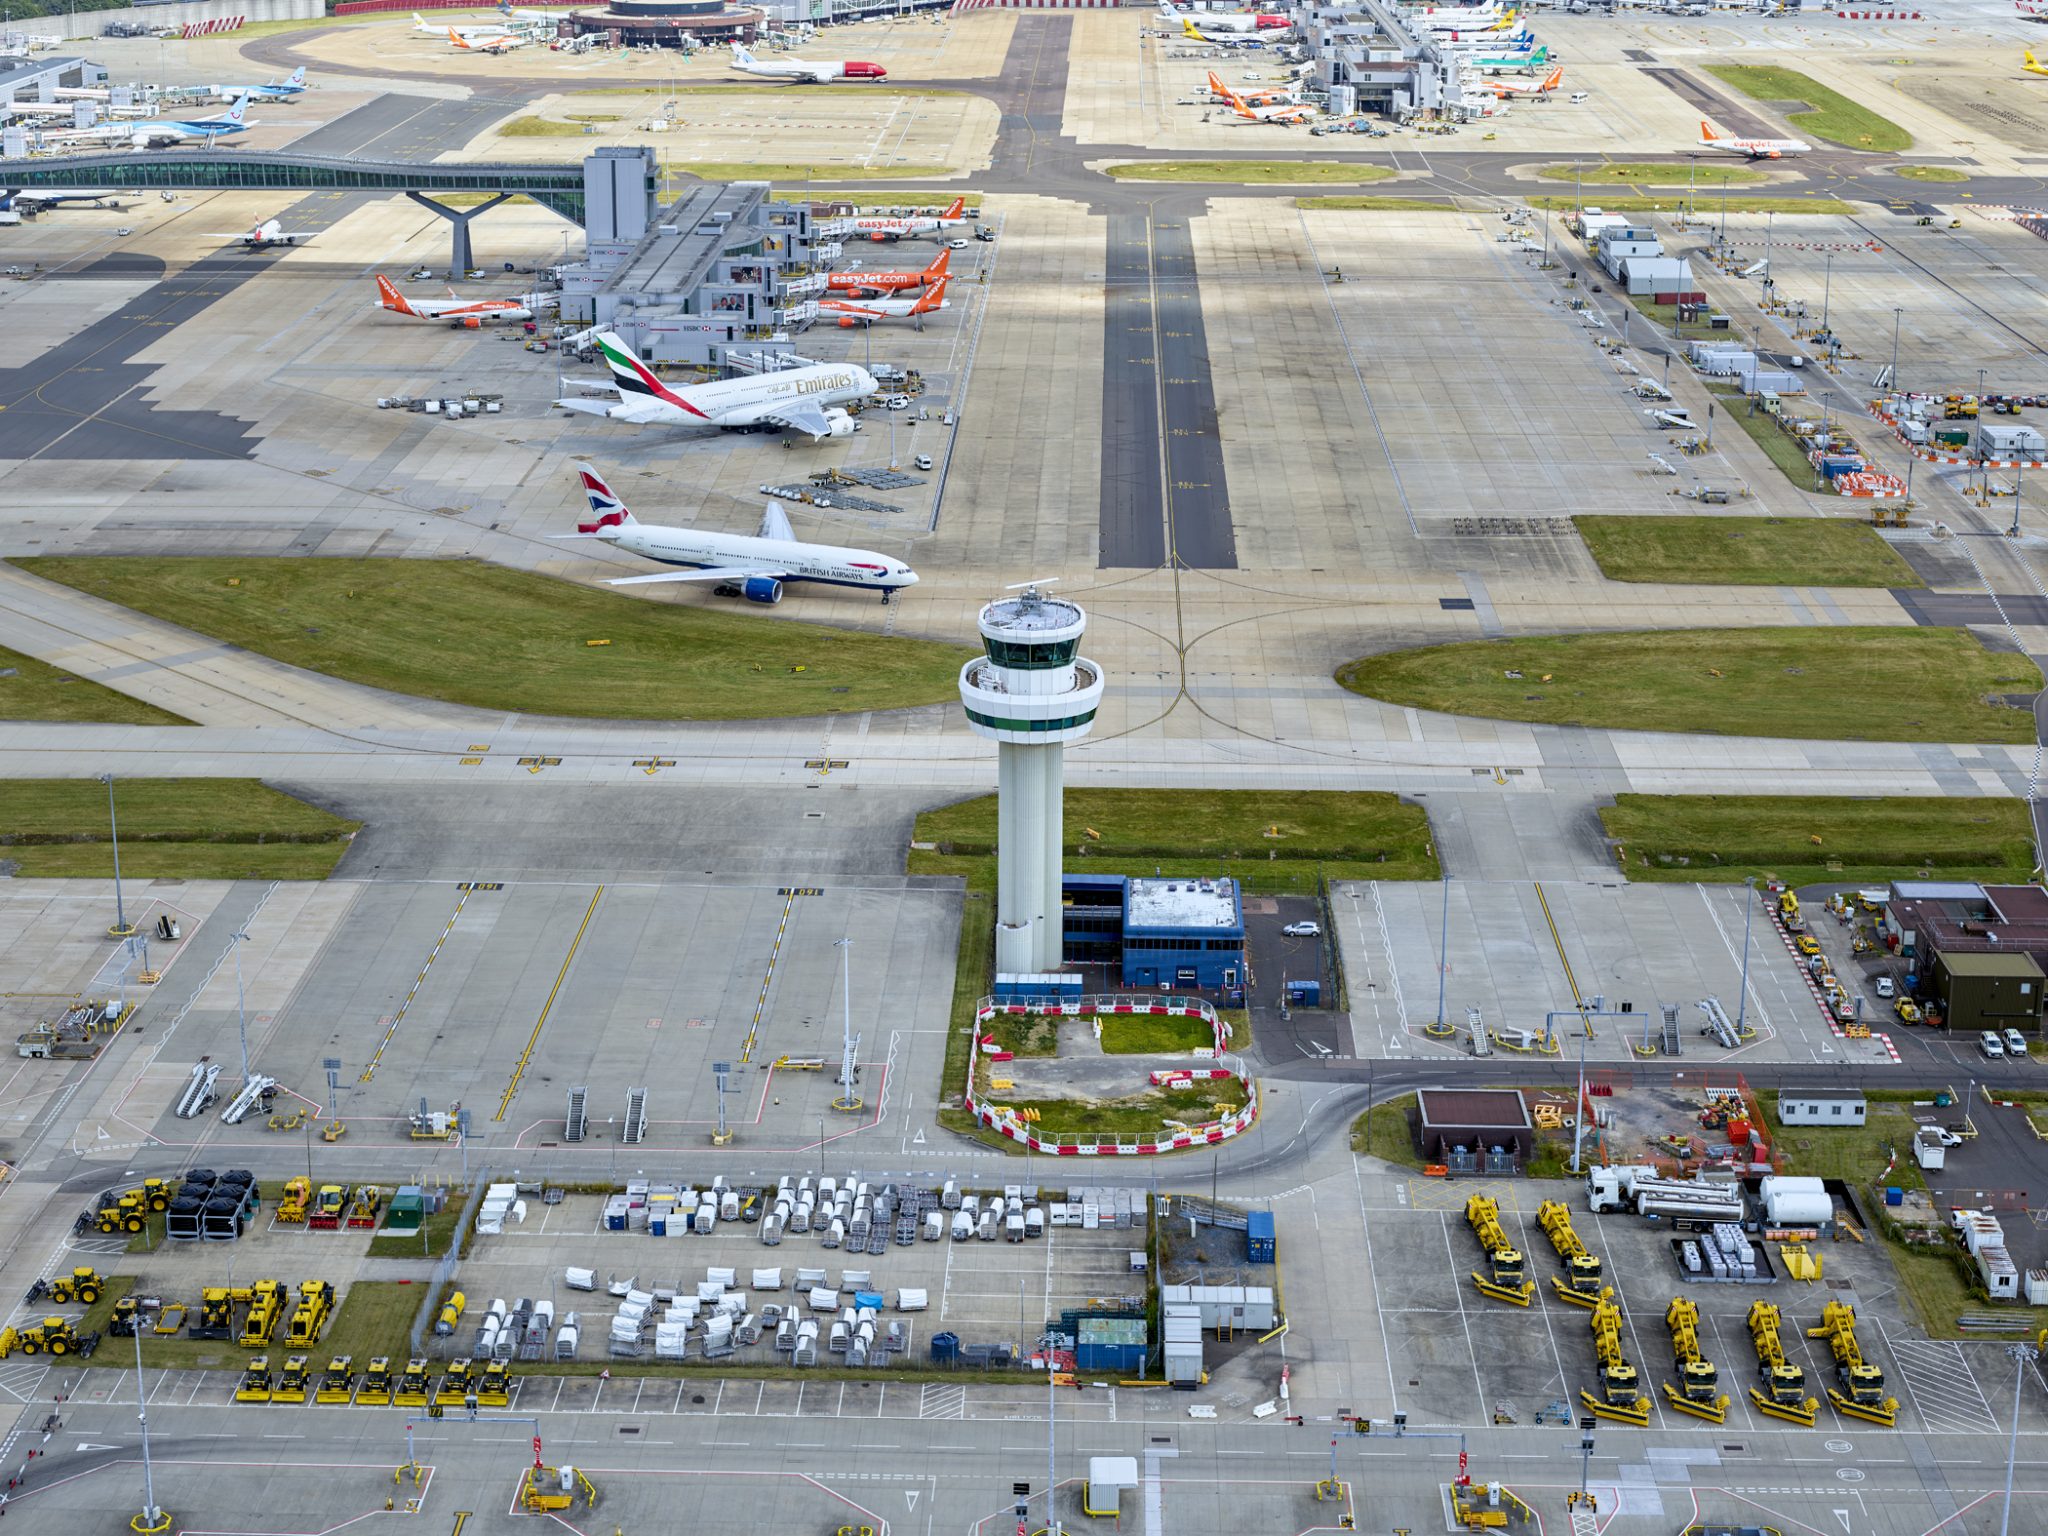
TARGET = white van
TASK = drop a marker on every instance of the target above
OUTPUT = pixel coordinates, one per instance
(1576, 97)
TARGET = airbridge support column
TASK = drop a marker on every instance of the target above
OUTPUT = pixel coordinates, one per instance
(460, 258)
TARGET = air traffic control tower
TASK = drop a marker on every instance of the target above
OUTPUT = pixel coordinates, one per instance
(1031, 695)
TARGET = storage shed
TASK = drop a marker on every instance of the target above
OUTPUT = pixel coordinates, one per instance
(1109, 1478)
(1472, 1118)
(1820, 1106)
(1181, 1336)
(1225, 1306)
(407, 1210)
(1111, 1344)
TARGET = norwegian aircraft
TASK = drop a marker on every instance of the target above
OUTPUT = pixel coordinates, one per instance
(468, 314)
(755, 568)
(809, 71)
(276, 90)
(852, 312)
(803, 399)
(1227, 21)
(158, 133)
(261, 237)
(858, 285)
(1286, 116)
(1506, 89)
(880, 227)
(1755, 149)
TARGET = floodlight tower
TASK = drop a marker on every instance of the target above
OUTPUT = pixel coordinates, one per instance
(1031, 694)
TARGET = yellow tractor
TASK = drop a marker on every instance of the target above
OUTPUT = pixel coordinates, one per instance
(80, 1288)
(53, 1335)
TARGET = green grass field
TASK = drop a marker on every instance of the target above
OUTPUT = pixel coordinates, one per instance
(492, 638)
(1146, 1034)
(552, 127)
(1370, 831)
(1382, 1132)
(438, 1228)
(1653, 173)
(1829, 115)
(1778, 445)
(190, 829)
(1376, 204)
(1744, 551)
(1737, 202)
(1249, 172)
(1829, 683)
(1796, 838)
(35, 690)
(1929, 173)
(1137, 1115)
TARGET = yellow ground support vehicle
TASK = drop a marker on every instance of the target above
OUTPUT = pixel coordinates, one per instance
(293, 1200)
(291, 1381)
(266, 1311)
(412, 1385)
(1507, 1276)
(1860, 1390)
(1697, 1391)
(255, 1387)
(1783, 1394)
(80, 1288)
(336, 1380)
(1580, 1283)
(1621, 1396)
(375, 1392)
(53, 1336)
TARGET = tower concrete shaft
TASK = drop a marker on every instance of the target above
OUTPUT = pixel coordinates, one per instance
(1031, 694)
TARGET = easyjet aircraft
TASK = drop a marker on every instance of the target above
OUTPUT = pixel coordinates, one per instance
(865, 284)
(852, 312)
(1543, 87)
(1756, 149)
(470, 313)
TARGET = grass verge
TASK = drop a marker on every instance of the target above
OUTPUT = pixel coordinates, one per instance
(1744, 551)
(1382, 1132)
(1828, 114)
(664, 90)
(552, 127)
(1849, 683)
(440, 1230)
(1929, 173)
(1152, 1035)
(1375, 204)
(481, 635)
(190, 829)
(1778, 445)
(1140, 1114)
(1796, 838)
(1653, 173)
(1248, 172)
(1737, 202)
(35, 690)
(785, 171)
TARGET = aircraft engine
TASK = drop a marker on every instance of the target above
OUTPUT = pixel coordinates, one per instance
(761, 589)
(839, 424)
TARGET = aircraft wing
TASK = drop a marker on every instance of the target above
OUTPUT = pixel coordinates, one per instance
(802, 416)
(727, 573)
(628, 411)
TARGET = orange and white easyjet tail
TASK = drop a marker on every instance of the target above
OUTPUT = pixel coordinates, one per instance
(1254, 98)
(1286, 116)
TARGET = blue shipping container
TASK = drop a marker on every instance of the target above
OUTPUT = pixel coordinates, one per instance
(1258, 1237)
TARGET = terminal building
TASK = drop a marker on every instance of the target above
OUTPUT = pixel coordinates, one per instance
(35, 82)
(725, 276)
(1366, 57)
(1158, 932)
(1980, 952)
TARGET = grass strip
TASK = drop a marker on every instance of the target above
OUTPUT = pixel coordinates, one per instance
(1743, 551)
(1745, 202)
(1763, 429)
(491, 638)
(1375, 204)
(784, 171)
(1829, 683)
(1145, 1034)
(1929, 173)
(1653, 173)
(35, 690)
(1383, 1132)
(1828, 114)
(1248, 172)
(1806, 838)
(191, 829)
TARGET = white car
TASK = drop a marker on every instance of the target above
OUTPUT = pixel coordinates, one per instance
(958, 245)
(124, 230)
(1303, 930)
(2015, 1043)
(923, 461)
(1885, 987)
(1946, 1137)
(1989, 1043)
(897, 402)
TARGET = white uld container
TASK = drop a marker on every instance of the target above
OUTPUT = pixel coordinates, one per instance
(963, 1226)
(710, 1290)
(580, 1279)
(823, 1300)
(806, 1278)
(725, 1277)
(934, 1226)
(908, 1300)
(768, 1279)
(856, 1279)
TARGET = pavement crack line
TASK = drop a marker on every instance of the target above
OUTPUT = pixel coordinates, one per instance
(532, 1040)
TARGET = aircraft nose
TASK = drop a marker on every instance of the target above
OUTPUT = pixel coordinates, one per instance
(909, 577)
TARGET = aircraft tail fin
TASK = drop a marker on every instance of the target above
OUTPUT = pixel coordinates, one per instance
(775, 524)
(390, 298)
(1707, 134)
(941, 267)
(931, 298)
(2032, 62)
(1552, 80)
(606, 510)
(959, 207)
(1188, 28)
(297, 76)
(238, 114)
(741, 54)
